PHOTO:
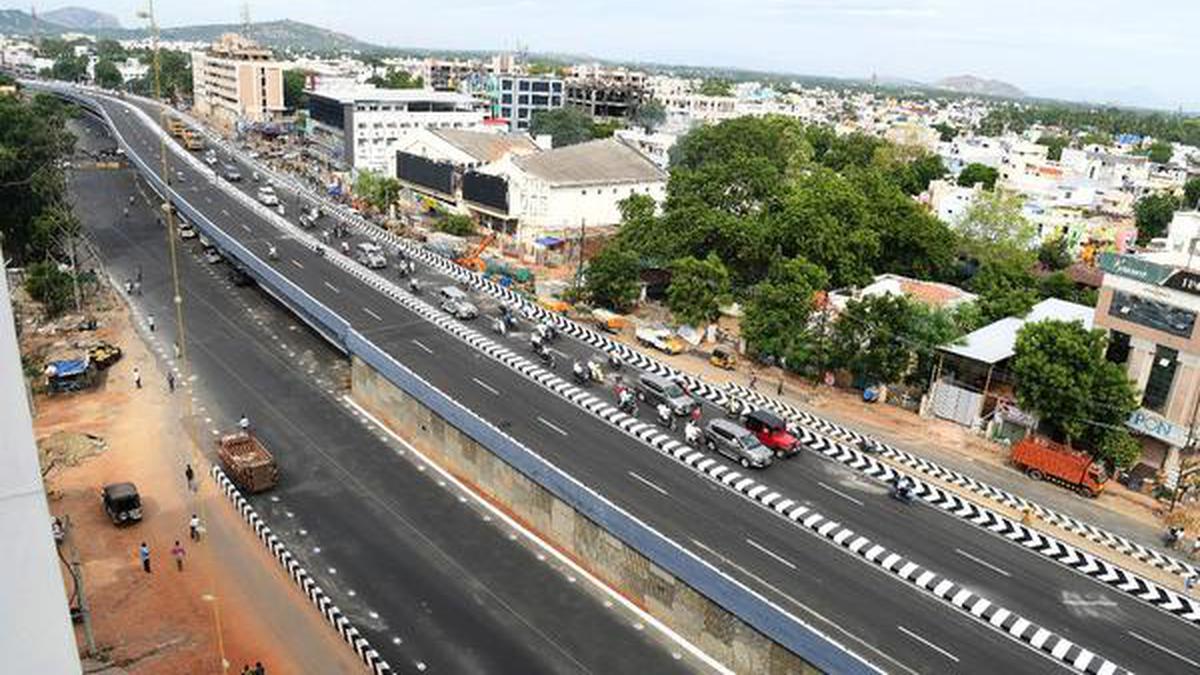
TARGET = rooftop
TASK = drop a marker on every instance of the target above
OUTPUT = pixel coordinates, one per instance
(370, 94)
(599, 162)
(994, 342)
(487, 146)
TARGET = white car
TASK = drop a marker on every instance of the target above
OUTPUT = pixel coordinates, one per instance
(460, 309)
(267, 197)
(186, 231)
(373, 261)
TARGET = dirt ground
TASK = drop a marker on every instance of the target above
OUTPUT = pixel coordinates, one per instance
(230, 602)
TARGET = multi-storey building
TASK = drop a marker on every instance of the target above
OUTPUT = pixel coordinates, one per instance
(518, 97)
(607, 95)
(235, 80)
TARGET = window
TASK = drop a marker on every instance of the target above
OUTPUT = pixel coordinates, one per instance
(506, 99)
(556, 101)
(1162, 376)
(524, 85)
(1118, 347)
(523, 113)
(506, 113)
(1152, 314)
(523, 99)
(557, 86)
(541, 86)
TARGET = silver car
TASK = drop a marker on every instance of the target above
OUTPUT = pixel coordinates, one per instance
(737, 443)
(460, 309)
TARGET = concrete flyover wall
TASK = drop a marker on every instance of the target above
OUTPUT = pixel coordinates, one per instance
(702, 621)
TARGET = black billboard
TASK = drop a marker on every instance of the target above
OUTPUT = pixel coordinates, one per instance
(435, 176)
(327, 110)
(487, 190)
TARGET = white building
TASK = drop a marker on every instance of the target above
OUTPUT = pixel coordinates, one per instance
(433, 162)
(949, 201)
(362, 127)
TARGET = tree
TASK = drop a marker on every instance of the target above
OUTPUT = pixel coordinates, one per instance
(716, 87)
(1153, 213)
(456, 224)
(69, 68)
(377, 190)
(912, 241)
(110, 50)
(51, 286)
(1063, 377)
(397, 79)
(566, 126)
(107, 75)
(946, 132)
(611, 278)
(294, 82)
(994, 222)
(649, 115)
(1160, 152)
(1059, 285)
(697, 290)
(975, 173)
(1055, 254)
(1005, 287)
(871, 338)
(33, 140)
(1055, 145)
(1191, 194)
(777, 309)
(605, 129)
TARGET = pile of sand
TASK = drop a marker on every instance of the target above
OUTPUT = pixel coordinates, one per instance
(68, 448)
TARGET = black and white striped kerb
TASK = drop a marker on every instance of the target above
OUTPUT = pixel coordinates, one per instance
(301, 577)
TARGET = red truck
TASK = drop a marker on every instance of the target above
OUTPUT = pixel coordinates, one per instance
(1043, 459)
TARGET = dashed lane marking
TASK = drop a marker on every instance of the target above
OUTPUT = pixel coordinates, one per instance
(839, 493)
(927, 643)
(485, 385)
(552, 425)
(331, 287)
(981, 561)
(649, 484)
(297, 263)
(422, 346)
(1164, 650)
(373, 314)
(780, 559)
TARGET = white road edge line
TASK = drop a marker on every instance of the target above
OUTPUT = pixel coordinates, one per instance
(373, 314)
(927, 643)
(981, 561)
(839, 493)
(771, 553)
(331, 287)
(422, 346)
(1163, 649)
(648, 484)
(297, 263)
(545, 546)
(552, 425)
(485, 385)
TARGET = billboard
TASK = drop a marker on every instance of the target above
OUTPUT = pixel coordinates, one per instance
(486, 190)
(426, 173)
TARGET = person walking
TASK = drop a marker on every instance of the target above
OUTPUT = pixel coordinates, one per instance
(178, 553)
(150, 322)
(171, 381)
(191, 478)
(137, 288)
(194, 527)
(137, 377)
(144, 555)
(258, 668)
(139, 274)
(244, 423)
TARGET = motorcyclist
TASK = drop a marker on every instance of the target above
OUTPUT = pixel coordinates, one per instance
(272, 253)
(614, 362)
(498, 326)
(345, 248)
(665, 416)
(578, 372)
(414, 285)
(625, 399)
(244, 423)
(903, 489)
(594, 371)
(691, 432)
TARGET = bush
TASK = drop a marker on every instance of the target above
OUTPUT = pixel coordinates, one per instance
(50, 286)
(456, 224)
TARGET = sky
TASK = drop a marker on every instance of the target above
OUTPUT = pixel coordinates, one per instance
(1142, 53)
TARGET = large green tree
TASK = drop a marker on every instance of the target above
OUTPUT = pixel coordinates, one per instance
(566, 126)
(107, 75)
(698, 288)
(975, 173)
(1153, 213)
(775, 320)
(294, 81)
(611, 278)
(33, 140)
(376, 189)
(1160, 152)
(648, 115)
(1055, 145)
(912, 241)
(871, 338)
(1006, 286)
(395, 78)
(1191, 194)
(994, 222)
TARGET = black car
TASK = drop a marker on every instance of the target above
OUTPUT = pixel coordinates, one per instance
(238, 276)
(122, 502)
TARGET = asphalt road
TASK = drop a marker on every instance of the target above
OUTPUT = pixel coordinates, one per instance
(811, 579)
(380, 535)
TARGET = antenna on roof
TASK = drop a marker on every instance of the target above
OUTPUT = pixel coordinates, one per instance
(246, 19)
(37, 36)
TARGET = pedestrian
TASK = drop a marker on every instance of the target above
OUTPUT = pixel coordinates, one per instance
(258, 668)
(1196, 547)
(753, 379)
(137, 377)
(139, 274)
(150, 321)
(178, 552)
(177, 352)
(128, 287)
(1190, 583)
(246, 670)
(137, 288)
(191, 477)
(194, 527)
(144, 554)
(171, 381)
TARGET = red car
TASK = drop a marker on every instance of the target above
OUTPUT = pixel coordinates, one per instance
(772, 432)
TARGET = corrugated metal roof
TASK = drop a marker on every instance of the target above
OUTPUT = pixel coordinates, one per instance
(600, 162)
(994, 342)
(487, 146)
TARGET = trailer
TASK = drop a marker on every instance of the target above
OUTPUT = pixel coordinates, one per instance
(247, 463)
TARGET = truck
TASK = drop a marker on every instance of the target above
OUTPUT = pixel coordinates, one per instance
(661, 339)
(176, 127)
(192, 140)
(1043, 459)
(248, 464)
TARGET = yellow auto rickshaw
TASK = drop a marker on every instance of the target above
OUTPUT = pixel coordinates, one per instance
(723, 357)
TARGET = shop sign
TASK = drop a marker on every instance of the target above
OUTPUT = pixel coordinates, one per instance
(1152, 424)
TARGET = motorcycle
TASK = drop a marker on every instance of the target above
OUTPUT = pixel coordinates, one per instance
(544, 354)
(594, 372)
(1173, 536)
(414, 286)
(614, 362)
(581, 376)
(628, 405)
(902, 491)
(666, 419)
(499, 327)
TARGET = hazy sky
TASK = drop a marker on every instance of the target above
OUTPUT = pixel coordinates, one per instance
(1105, 50)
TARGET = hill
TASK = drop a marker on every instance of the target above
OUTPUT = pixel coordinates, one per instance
(81, 19)
(969, 84)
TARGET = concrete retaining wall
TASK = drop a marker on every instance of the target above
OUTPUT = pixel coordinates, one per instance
(703, 622)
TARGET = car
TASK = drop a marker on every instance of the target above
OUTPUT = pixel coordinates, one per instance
(232, 174)
(453, 293)
(661, 339)
(736, 443)
(267, 196)
(369, 247)
(772, 432)
(460, 309)
(374, 261)
(211, 255)
(121, 502)
(656, 389)
(186, 231)
(210, 158)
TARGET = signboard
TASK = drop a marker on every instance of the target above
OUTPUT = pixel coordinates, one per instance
(1152, 424)
(1134, 268)
(1183, 280)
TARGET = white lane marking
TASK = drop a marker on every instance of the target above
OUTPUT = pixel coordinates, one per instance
(297, 263)
(224, 213)
(648, 484)
(245, 227)
(422, 346)
(981, 561)
(927, 643)
(771, 553)
(1163, 649)
(377, 317)
(331, 287)
(485, 385)
(839, 493)
(562, 558)
(560, 353)
(1104, 602)
(208, 199)
(801, 605)
(550, 424)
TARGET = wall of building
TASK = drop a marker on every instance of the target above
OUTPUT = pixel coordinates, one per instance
(379, 133)
(718, 632)
(545, 209)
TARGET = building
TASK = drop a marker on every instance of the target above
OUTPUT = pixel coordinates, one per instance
(561, 193)
(361, 127)
(606, 93)
(432, 162)
(929, 293)
(236, 81)
(520, 96)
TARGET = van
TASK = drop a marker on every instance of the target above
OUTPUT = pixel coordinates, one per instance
(736, 443)
(656, 389)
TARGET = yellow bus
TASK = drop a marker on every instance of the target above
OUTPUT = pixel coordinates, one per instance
(175, 126)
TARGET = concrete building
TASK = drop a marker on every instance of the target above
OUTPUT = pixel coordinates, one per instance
(432, 162)
(236, 81)
(929, 293)
(520, 96)
(559, 193)
(606, 93)
(361, 127)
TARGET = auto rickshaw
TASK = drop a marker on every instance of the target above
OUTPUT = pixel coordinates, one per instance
(723, 357)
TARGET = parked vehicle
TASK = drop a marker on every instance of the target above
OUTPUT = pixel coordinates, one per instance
(210, 158)
(247, 463)
(1043, 459)
(232, 173)
(736, 443)
(609, 322)
(121, 502)
(773, 432)
(186, 231)
(656, 389)
(661, 339)
(723, 357)
(104, 354)
(211, 255)
(238, 276)
(266, 196)
(460, 309)
(175, 126)
(371, 260)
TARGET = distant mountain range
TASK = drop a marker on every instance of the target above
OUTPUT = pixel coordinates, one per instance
(969, 84)
(81, 19)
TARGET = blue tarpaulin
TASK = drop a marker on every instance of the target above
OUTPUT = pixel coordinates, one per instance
(69, 368)
(548, 242)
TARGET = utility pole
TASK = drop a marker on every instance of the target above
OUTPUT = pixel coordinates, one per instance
(582, 239)
(76, 570)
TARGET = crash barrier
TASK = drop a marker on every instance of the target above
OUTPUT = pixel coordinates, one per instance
(301, 577)
(771, 621)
